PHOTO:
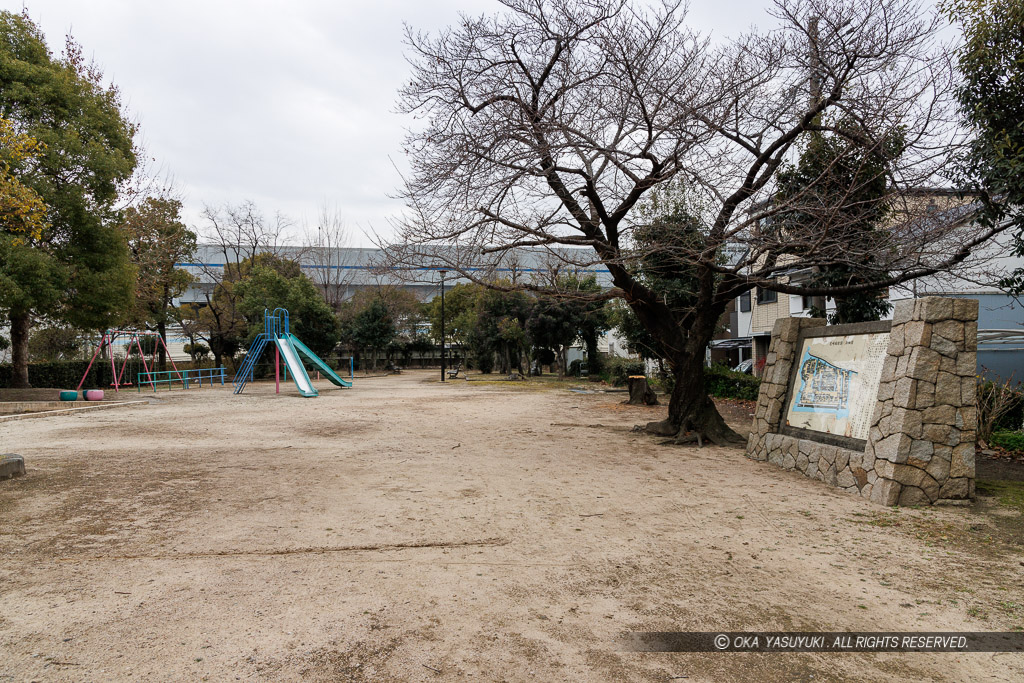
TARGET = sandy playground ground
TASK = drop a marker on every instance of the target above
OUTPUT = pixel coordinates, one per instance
(408, 530)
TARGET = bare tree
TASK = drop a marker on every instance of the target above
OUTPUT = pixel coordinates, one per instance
(241, 231)
(234, 234)
(327, 256)
(546, 126)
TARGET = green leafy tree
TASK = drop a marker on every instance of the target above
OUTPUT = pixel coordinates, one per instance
(594, 315)
(839, 185)
(991, 96)
(49, 344)
(158, 240)
(384, 320)
(242, 238)
(369, 326)
(557, 322)
(553, 324)
(499, 332)
(22, 210)
(488, 324)
(410, 319)
(460, 309)
(77, 271)
(310, 318)
(220, 322)
(198, 352)
(639, 339)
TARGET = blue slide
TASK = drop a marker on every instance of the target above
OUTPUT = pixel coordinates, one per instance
(294, 365)
(320, 365)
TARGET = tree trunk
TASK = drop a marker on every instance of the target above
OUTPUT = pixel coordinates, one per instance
(593, 358)
(21, 323)
(692, 415)
(640, 392)
(161, 329)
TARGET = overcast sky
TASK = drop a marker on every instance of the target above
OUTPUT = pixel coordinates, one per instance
(289, 104)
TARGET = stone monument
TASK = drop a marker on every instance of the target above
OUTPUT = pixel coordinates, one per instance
(887, 411)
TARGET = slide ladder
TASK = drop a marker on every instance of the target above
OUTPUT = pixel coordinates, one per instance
(251, 357)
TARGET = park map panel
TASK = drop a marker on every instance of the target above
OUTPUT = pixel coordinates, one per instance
(836, 384)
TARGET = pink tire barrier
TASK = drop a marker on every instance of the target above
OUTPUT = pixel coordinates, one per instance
(94, 395)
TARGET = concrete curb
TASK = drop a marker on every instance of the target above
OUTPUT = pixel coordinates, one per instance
(49, 413)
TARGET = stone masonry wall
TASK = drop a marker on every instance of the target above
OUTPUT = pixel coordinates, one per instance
(920, 447)
(768, 416)
(925, 424)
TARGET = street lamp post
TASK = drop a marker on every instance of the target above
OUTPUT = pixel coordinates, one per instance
(443, 273)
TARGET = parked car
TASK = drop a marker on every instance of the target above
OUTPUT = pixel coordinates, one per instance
(746, 367)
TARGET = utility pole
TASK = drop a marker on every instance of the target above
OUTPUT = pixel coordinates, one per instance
(443, 273)
(814, 58)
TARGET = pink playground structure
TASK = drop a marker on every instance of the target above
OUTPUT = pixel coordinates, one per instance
(133, 341)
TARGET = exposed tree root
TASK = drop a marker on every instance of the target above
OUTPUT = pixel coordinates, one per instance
(706, 424)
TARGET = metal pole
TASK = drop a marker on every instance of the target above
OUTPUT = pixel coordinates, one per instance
(277, 370)
(443, 273)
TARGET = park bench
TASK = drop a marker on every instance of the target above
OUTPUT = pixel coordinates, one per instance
(454, 372)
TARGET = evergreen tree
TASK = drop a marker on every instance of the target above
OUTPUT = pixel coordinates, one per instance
(157, 240)
(991, 97)
(839, 187)
(75, 269)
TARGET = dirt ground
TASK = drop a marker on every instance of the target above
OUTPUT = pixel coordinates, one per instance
(408, 530)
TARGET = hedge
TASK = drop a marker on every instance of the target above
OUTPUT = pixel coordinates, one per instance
(64, 374)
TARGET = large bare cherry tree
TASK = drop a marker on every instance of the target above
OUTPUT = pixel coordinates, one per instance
(548, 126)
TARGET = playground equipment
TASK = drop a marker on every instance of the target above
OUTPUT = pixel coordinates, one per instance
(187, 377)
(287, 346)
(109, 337)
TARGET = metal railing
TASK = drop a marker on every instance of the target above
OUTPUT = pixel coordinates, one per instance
(187, 378)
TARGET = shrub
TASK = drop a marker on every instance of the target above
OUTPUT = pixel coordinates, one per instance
(719, 380)
(485, 361)
(667, 381)
(724, 383)
(197, 350)
(1011, 441)
(618, 369)
(577, 366)
(999, 405)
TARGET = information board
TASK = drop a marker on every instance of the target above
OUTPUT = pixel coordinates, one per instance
(836, 383)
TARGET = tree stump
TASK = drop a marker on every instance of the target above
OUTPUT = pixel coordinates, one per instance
(640, 393)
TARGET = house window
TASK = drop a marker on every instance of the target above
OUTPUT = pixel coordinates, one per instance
(745, 302)
(766, 296)
(807, 302)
